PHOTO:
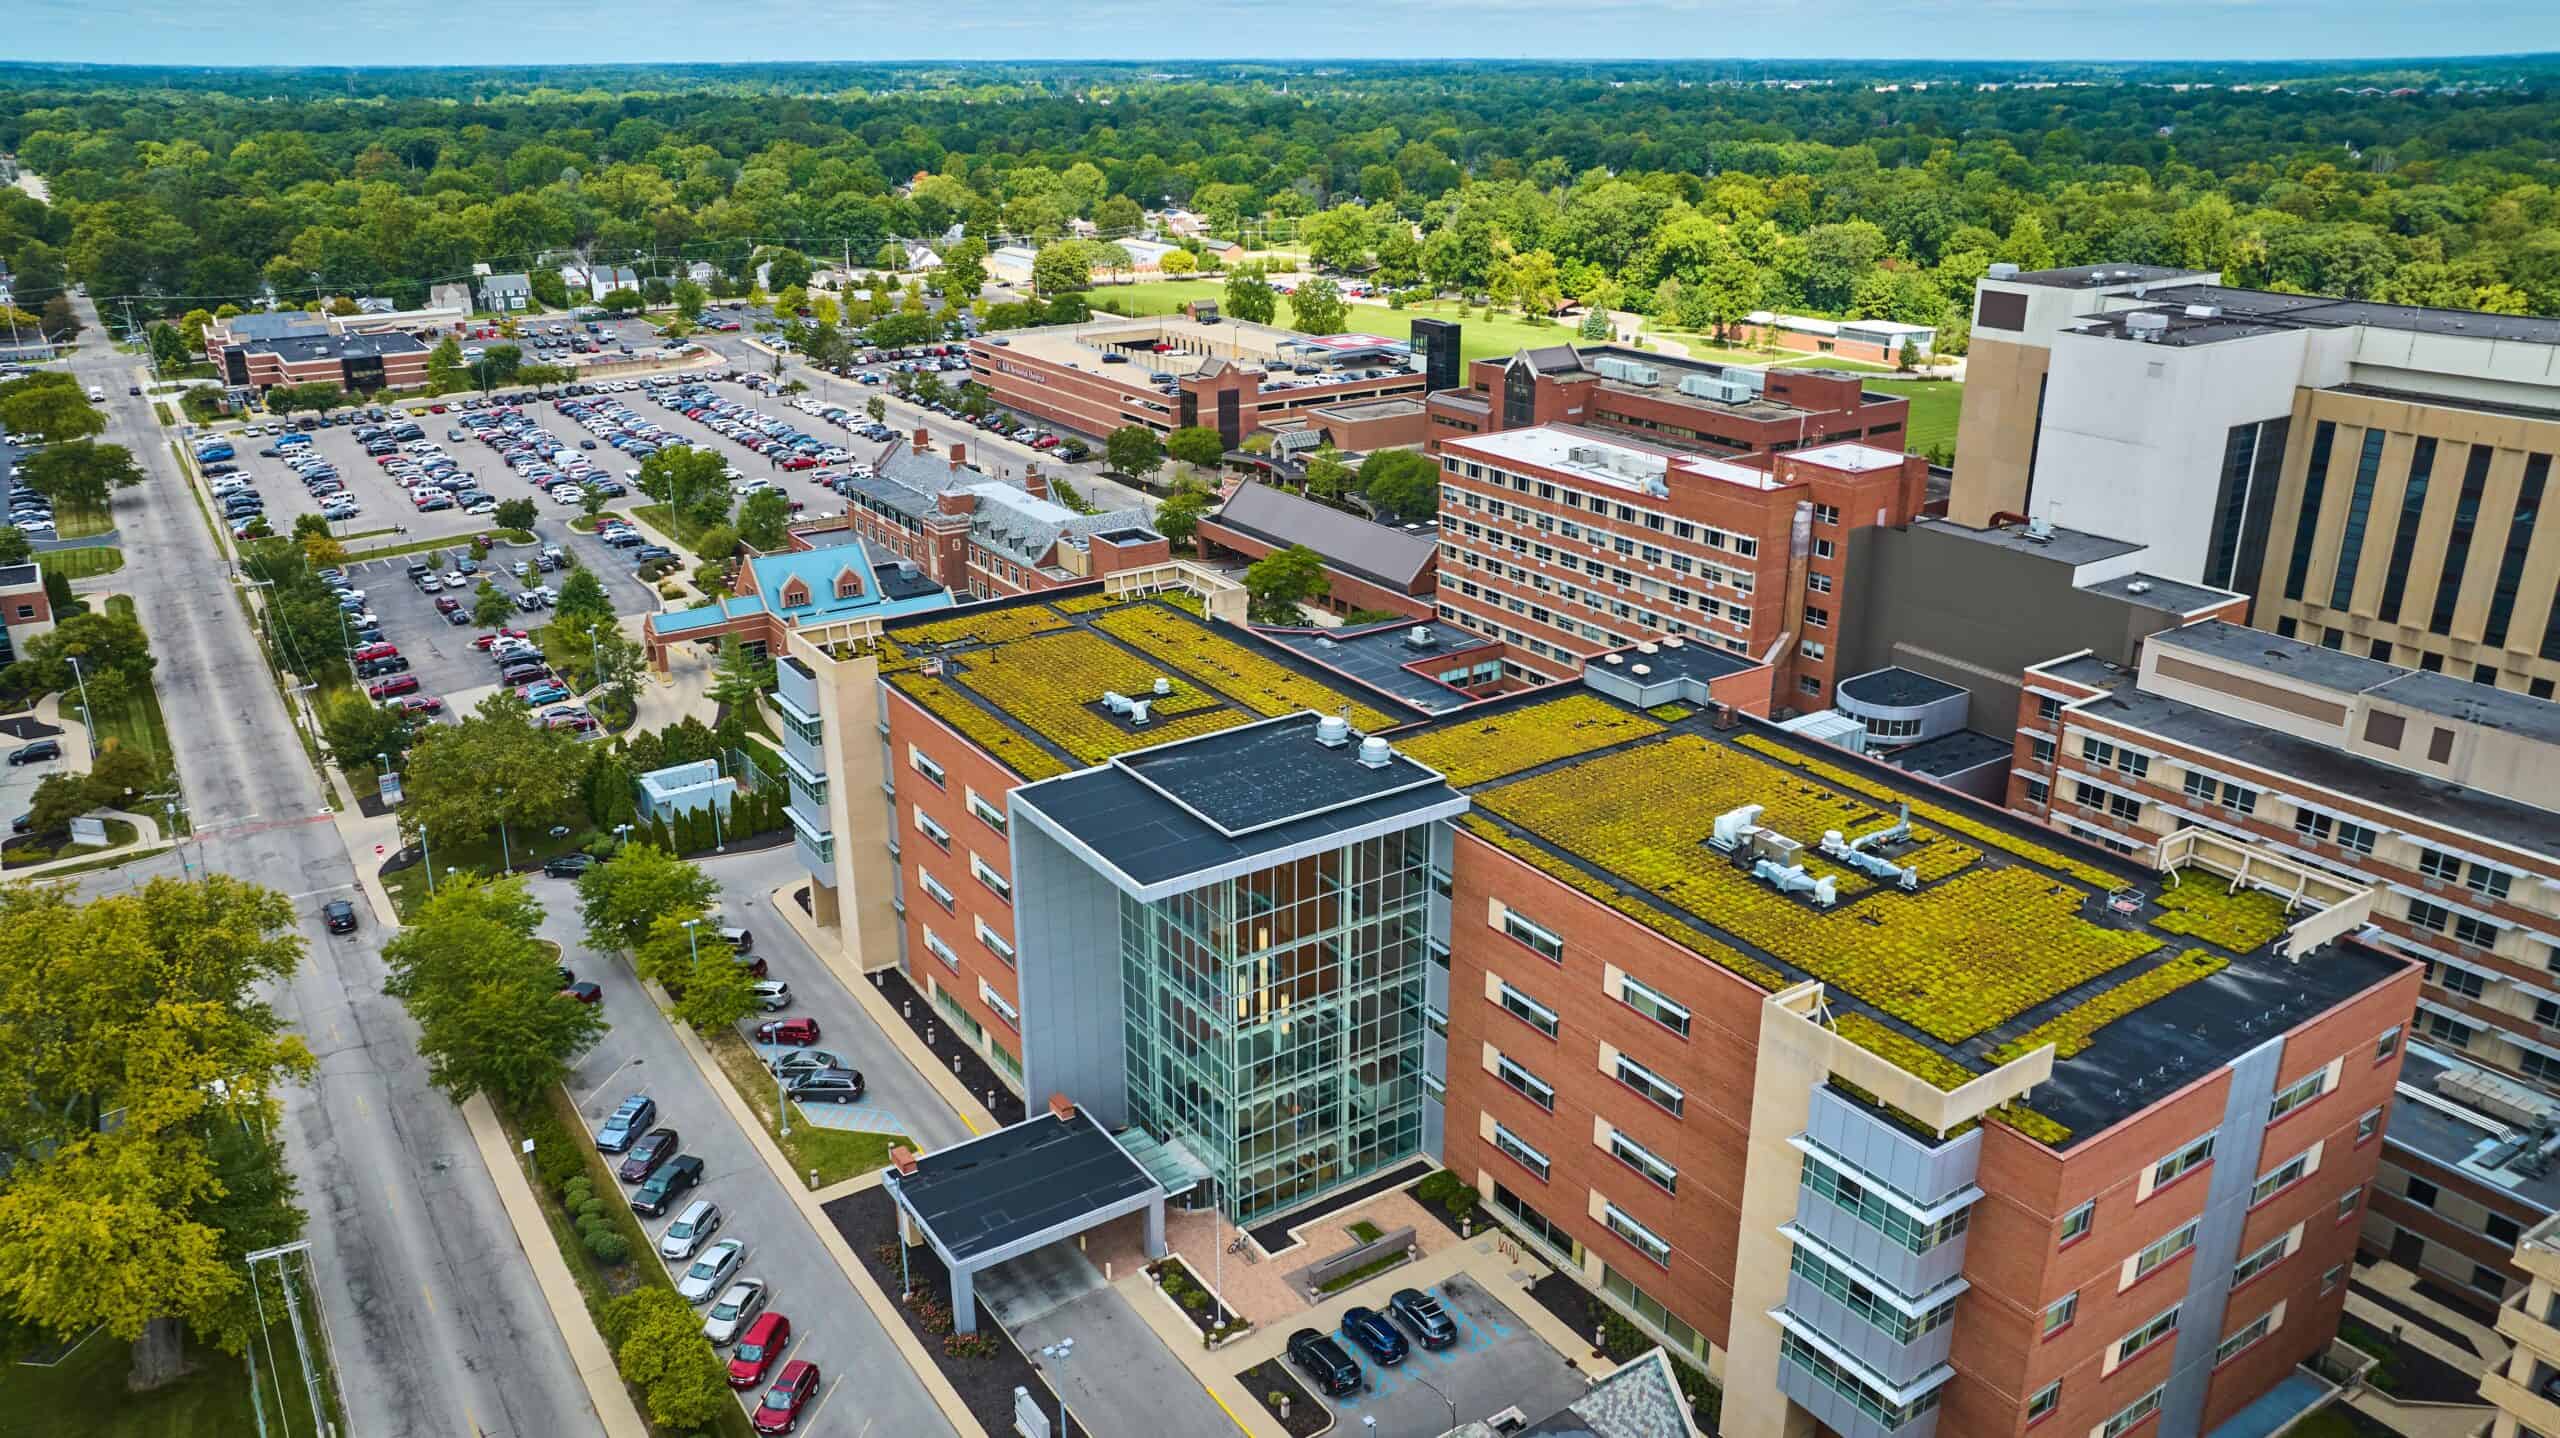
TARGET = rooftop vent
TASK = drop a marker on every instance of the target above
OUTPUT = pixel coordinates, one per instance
(2146, 326)
(2139, 586)
(2039, 531)
(1641, 670)
(1613, 659)
(1648, 647)
(1673, 642)
(1163, 686)
(1374, 752)
(2204, 312)
(1333, 731)
(2001, 271)
(1421, 637)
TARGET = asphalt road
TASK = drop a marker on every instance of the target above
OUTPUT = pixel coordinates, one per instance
(437, 1323)
(832, 1326)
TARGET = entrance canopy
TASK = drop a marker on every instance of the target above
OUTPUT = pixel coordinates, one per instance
(1004, 1194)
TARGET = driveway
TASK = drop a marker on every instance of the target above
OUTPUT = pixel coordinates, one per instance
(1119, 1377)
(1498, 1362)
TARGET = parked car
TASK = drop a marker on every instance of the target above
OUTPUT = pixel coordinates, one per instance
(396, 684)
(653, 1148)
(799, 1032)
(737, 1308)
(582, 993)
(1323, 1360)
(833, 1085)
(759, 1346)
(1423, 1317)
(788, 1398)
(629, 1121)
(773, 994)
(420, 704)
(40, 752)
(679, 1176)
(339, 915)
(712, 1271)
(739, 939)
(1370, 1329)
(692, 1229)
(568, 866)
(795, 1062)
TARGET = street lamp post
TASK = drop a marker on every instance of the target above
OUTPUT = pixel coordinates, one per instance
(1443, 1397)
(1058, 1353)
(425, 856)
(506, 854)
(622, 837)
(693, 941)
(88, 716)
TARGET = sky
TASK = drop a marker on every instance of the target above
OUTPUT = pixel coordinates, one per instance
(483, 32)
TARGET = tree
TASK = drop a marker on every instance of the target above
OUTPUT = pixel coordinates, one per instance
(1339, 238)
(742, 676)
(1177, 263)
(444, 367)
(1196, 445)
(114, 658)
(1133, 450)
(786, 270)
(964, 270)
(168, 347)
(765, 519)
(494, 767)
(81, 472)
(877, 408)
(1327, 475)
(1178, 517)
(142, 1113)
(61, 321)
(690, 299)
(358, 730)
(621, 899)
(1317, 308)
(1062, 267)
(1278, 583)
(583, 601)
(661, 1354)
(490, 606)
(485, 993)
(713, 990)
(1249, 296)
(620, 661)
(693, 482)
(1595, 324)
(50, 406)
(318, 397)
(15, 547)
(623, 301)
(1402, 483)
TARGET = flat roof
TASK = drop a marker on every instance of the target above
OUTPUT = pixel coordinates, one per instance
(1851, 457)
(2440, 694)
(2063, 546)
(298, 347)
(1373, 409)
(1953, 753)
(2009, 929)
(2088, 669)
(2457, 1137)
(2086, 277)
(1160, 817)
(2151, 591)
(2324, 766)
(1377, 654)
(1025, 678)
(2266, 307)
(1898, 688)
(2486, 705)
(1197, 347)
(1018, 1182)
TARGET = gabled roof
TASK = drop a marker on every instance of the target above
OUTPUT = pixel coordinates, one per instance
(1349, 543)
(1550, 359)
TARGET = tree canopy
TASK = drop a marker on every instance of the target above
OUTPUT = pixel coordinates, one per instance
(486, 992)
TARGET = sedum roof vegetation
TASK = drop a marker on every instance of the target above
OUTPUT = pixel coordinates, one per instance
(1025, 681)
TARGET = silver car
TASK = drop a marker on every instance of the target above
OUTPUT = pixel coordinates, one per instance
(773, 994)
(712, 1271)
(736, 1309)
(793, 1062)
(692, 1229)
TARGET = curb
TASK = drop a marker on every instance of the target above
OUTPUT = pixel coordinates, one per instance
(587, 1351)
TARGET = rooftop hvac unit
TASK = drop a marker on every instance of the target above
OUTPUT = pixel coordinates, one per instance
(1115, 701)
(1724, 388)
(1138, 713)
(2002, 270)
(2204, 312)
(2146, 326)
(1628, 372)
(1421, 637)
(1333, 731)
(1374, 752)
(1586, 455)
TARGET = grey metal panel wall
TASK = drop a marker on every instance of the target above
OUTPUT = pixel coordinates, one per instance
(2238, 1155)
(1891, 1156)
(1828, 1316)
(1068, 943)
(1842, 1416)
(1850, 1237)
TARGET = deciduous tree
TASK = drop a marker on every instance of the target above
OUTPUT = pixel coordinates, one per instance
(485, 993)
(82, 472)
(621, 899)
(1278, 583)
(1133, 450)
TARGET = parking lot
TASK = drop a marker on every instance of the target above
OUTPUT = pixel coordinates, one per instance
(1498, 1362)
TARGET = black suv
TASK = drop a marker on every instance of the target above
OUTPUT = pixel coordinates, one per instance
(1323, 1360)
(568, 866)
(1370, 1329)
(653, 1149)
(678, 1176)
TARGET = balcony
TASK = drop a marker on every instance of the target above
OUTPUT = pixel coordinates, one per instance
(2526, 1406)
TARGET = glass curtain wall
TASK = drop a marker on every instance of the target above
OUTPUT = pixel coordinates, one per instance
(1275, 1021)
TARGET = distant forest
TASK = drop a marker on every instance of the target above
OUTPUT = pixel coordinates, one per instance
(1691, 192)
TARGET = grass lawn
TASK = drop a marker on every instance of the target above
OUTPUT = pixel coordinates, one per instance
(82, 563)
(119, 833)
(666, 521)
(483, 856)
(79, 521)
(836, 1154)
(85, 1393)
(1935, 407)
(138, 721)
(460, 544)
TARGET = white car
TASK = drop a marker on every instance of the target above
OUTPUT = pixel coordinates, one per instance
(712, 1271)
(457, 580)
(692, 1228)
(736, 1309)
(484, 507)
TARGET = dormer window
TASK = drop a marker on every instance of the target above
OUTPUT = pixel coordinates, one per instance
(795, 592)
(848, 584)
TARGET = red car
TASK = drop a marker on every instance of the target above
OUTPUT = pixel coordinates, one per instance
(796, 1032)
(584, 993)
(485, 640)
(396, 684)
(435, 409)
(363, 652)
(653, 1149)
(421, 704)
(757, 1348)
(788, 1398)
(799, 462)
(447, 604)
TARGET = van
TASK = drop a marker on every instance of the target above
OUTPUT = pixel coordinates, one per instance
(738, 939)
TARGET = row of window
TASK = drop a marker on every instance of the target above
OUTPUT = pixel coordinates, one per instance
(1714, 610)
(1687, 531)
(1740, 580)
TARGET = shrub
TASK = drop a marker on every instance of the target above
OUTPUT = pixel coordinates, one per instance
(1437, 1186)
(1462, 1203)
(593, 1207)
(577, 1191)
(590, 1224)
(607, 1245)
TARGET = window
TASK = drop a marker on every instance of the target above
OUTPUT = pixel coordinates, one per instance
(1623, 1224)
(2186, 1160)
(933, 943)
(2284, 1175)
(1854, 1389)
(1544, 944)
(1002, 886)
(2048, 708)
(2258, 1327)
(1869, 1206)
(2047, 1399)
(999, 1005)
(2481, 879)
(2350, 545)
(2504, 1231)
(988, 814)
(995, 942)
(1520, 1152)
(2368, 1125)
(2038, 791)
(2301, 1091)
(2059, 1313)
(1655, 1005)
(1818, 583)
(2265, 1258)
(2387, 1045)
(1636, 1156)
(2075, 1224)
(2171, 1246)
(2449, 1030)
(2355, 837)
(2353, 1198)
(933, 889)
(2460, 981)
(2434, 917)
(2329, 1280)
(1811, 650)
(2478, 933)
(1826, 514)
(1824, 549)
(2106, 755)
(922, 765)
(2306, 529)
(940, 836)
(2488, 1280)
(1863, 1299)
(1652, 1085)
(1528, 1085)
(1528, 1010)
(2143, 1337)
(1817, 617)
(2239, 798)
(2437, 864)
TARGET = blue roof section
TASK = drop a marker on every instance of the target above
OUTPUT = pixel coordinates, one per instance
(885, 593)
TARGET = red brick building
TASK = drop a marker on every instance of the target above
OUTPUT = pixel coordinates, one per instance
(1565, 542)
(984, 537)
(1170, 372)
(1367, 565)
(1684, 404)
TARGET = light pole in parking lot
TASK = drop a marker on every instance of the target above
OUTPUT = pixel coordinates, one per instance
(1443, 1397)
(782, 1099)
(427, 858)
(507, 855)
(1058, 1353)
(88, 716)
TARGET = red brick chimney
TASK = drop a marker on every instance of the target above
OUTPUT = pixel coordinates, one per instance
(904, 1158)
(955, 501)
(1060, 1109)
(923, 442)
(959, 456)
(1034, 481)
